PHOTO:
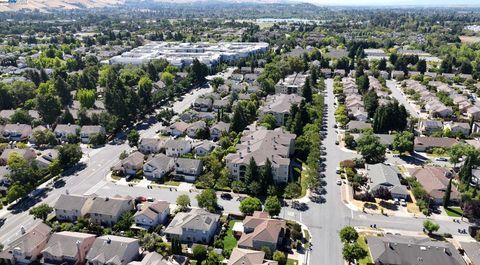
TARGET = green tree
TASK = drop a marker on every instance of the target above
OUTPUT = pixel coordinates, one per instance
(390, 117)
(273, 206)
(199, 253)
(61, 88)
(125, 222)
(252, 172)
(403, 142)
(41, 137)
(466, 171)
(133, 137)
(369, 146)
(352, 252)
(460, 150)
(250, 205)
(269, 121)
(198, 71)
(69, 155)
(348, 234)
(207, 199)
(183, 201)
(167, 78)
(267, 174)
(213, 259)
(21, 116)
(41, 211)
(16, 191)
(422, 66)
(430, 226)
(293, 190)
(279, 257)
(55, 168)
(176, 246)
(307, 91)
(86, 97)
(216, 82)
(370, 100)
(21, 171)
(145, 87)
(446, 196)
(238, 186)
(47, 103)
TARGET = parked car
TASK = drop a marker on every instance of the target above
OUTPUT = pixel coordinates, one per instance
(337, 170)
(339, 182)
(442, 159)
(226, 196)
(403, 202)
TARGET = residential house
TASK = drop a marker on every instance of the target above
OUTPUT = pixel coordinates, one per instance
(26, 153)
(151, 214)
(203, 148)
(279, 106)
(473, 112)
(194, 128)
(399, 250)
(202, 104)
(153, 258)
(101, 210)
(17, 132)
(88, 131)
(178, 128)
(426, 144)
(458, 128)
(385, 176)
(435, 180)
(133, 163)
(62, 131)
(28, 246)
(176, 148)
(261, 144)
(150, 145)
(113, 250)
(220, 104)
(196, 226)
(188, 169)
(292, 84)
(427, 127)
(67, 248)
(218, 129)
(262, 231)
(158, 166)
(353, 126)
(68, 207)
(242, 256)
(46, 158)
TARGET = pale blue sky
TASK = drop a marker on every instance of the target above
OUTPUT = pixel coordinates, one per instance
(394, 2)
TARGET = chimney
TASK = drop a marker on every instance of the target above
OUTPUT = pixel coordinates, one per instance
(22, 229)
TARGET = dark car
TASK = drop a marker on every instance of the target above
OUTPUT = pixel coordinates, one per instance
(226, 196)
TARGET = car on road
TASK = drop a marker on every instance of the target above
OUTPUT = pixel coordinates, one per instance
(339, 182)
(226, 196)
(441, 159)
(337, 170)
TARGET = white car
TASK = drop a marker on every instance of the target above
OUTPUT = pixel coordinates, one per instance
(339, 182)
(403, 202)
(337, 170)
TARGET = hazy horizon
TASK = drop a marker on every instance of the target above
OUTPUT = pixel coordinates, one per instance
(393, 3)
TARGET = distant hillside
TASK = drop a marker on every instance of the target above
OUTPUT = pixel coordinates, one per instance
(45, 5)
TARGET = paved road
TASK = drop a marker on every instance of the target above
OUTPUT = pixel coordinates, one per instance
(91, 179)
(324, 220)
(397, 94)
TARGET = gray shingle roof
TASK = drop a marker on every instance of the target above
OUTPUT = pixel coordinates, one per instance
(111, 249)
(197, 219)
(391, 249)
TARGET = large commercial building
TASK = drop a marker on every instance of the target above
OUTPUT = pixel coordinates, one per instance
(182, 54)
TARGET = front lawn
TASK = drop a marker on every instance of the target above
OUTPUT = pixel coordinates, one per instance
(292, 262)
(363, 243)
(172, 183)
(454, 211)
(229, 241)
